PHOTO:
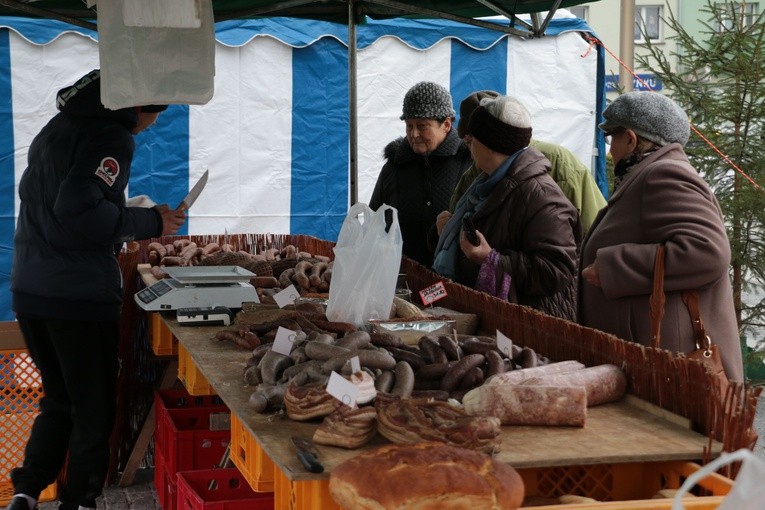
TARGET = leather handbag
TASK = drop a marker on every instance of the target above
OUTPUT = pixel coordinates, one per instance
(706, 351)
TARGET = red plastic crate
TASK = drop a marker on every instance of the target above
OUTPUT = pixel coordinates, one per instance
(230, 491)
(165, 400)
(165, 483)
(190, 444)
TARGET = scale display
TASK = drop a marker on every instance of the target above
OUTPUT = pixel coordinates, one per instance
(199, 286)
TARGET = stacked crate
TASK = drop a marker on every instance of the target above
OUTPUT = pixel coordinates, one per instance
(20, 394)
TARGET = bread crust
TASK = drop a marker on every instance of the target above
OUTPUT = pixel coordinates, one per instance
(425, 476)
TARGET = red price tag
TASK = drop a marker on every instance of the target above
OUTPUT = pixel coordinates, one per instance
(433, 293)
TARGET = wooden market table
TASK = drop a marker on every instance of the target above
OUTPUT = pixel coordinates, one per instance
(622, 446)
(627, 431)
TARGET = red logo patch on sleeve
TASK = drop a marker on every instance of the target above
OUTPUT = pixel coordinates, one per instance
(109, 170)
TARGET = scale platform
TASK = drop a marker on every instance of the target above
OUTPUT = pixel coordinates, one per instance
(199, 286)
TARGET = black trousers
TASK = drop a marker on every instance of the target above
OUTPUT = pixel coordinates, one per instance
(78, 362)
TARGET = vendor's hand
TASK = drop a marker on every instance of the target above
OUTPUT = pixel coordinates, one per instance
(591, 274)
(441, 220)
(172, 219)
(478, 253)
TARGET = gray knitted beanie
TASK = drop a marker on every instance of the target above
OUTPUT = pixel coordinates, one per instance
(651, 115)
(427, 100)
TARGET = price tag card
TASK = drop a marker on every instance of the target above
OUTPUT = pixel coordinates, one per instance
(504, 344)
(342, 389)
(355, 365)
(284, 340)
(287, 296)
(433, 293)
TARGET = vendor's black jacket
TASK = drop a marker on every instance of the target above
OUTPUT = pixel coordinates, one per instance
(420, 187)
(72, 216)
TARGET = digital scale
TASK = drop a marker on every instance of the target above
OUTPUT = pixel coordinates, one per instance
(199, 287)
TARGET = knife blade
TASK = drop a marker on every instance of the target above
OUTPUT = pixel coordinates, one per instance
(306, 453)
(194, 193)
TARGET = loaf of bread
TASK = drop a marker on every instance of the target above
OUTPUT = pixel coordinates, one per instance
(425, 476)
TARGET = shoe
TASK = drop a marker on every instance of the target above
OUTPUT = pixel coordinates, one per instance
(20, 503)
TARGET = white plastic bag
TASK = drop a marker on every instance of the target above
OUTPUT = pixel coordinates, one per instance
(748, 492)
(366, 267)
(155, 64)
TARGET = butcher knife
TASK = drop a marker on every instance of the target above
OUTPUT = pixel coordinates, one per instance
(194, 193)
(306, 453)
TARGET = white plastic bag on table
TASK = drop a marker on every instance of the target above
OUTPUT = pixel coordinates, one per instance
(748, 492)
(156, 64)
(366, 266)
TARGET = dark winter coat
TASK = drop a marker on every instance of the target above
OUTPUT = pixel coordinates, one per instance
(72, 214)
(662, 200)
(536, 231)
(420, 187)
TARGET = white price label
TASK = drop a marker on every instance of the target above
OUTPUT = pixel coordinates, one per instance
(285, 338)
(504, 344)
(355, 365)
(287, 296)
(342, 389)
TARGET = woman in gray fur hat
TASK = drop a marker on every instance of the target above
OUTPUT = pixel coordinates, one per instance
(422, 169)
(659, 198)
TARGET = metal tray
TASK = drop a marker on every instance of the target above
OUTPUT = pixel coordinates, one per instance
(209, 274)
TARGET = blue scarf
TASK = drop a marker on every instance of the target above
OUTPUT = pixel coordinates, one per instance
(471, 202)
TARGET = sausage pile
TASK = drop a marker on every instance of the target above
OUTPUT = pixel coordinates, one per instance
(275, 269)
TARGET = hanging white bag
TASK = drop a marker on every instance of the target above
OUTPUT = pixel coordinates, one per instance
(366, 266)
(748, 492)
(163, 55)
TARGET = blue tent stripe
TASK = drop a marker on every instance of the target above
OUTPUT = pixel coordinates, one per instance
(601, 178)
(319, 139)
(473, 70)
(167, 142)
(7, 185)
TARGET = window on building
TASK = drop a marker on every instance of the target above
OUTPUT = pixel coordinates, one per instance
(648, 23)
(733, 12)
(580, 11)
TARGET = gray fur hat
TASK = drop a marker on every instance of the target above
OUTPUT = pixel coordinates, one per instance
(427, 100)
(651, 115)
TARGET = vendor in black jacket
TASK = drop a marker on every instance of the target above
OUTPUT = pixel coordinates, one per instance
(67, 285)
(422, 170)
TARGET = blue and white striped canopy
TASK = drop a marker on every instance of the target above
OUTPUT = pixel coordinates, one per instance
(275, 134)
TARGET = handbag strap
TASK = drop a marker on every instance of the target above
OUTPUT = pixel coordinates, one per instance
(691, 300)
(658, 299)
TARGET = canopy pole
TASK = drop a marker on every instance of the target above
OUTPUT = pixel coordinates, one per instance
(352, 111)
(626, 43)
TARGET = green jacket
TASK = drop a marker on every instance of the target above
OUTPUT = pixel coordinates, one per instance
(573, 178)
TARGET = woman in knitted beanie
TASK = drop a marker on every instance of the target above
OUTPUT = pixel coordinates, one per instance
(659, 199)
(527, 231)
(422, 169)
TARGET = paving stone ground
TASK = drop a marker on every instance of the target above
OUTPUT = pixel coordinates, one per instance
(139, 496)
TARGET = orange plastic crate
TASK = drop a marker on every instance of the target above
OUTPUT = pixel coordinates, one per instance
(302, 495)
(163, 342)
(190, 376)
(256, 467)
(20, 394)
(628, 486)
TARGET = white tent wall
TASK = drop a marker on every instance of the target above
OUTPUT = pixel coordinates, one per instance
(275, 134)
